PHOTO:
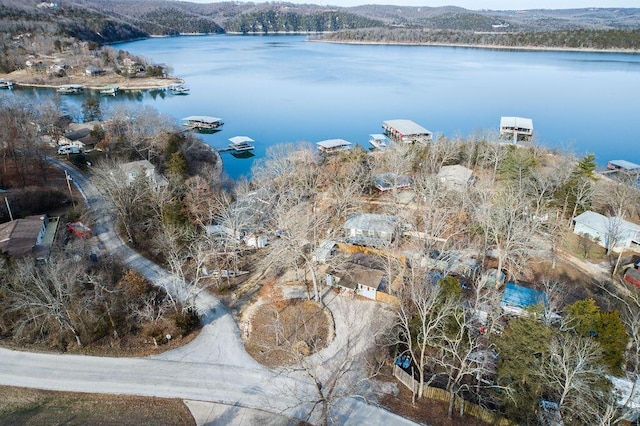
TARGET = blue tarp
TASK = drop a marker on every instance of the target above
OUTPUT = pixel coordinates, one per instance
(522, 297)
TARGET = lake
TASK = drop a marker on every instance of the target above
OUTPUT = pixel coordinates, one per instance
(278, 89)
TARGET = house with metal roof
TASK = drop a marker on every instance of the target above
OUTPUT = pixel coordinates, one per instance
(406, 131)
(143, 168)
(516, 128)
(516, 299)
(21, 237)
(363, 276)
(370, 229)
(388, 181)
(331, 146)
(456, 177)
(612, 233)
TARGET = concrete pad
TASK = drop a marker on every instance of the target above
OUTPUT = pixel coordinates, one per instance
(214, 414)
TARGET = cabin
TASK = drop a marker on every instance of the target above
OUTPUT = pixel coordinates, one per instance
(362, 276)
(23, 237)
(516, 299)
(516, 128)
(202, 122)
(623, 165)
(406, 131)
(388, 181)
(331, 146)
(456, 177)
(612, 233)
(145, 169)
(370, 229)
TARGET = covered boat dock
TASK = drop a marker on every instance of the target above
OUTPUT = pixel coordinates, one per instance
(406, 131)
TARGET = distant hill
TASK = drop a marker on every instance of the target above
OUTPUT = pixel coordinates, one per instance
(109, 21)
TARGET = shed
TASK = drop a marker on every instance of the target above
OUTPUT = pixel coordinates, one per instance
(325, 250)
(517, 298)
(406, 131)
(21, 236)
(370, 229)
(610, 232)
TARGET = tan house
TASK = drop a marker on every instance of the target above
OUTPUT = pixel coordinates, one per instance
(22, 237)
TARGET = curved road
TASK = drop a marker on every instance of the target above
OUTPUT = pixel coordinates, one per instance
(214, 367)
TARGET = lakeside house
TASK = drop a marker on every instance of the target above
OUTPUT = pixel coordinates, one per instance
(406, 131)
(388, 181)
(144, 168)
(516, 128)
(456, 177)
(362, 276)
(612, 233)
(370, 229)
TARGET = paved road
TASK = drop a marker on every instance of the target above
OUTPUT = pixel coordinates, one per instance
(214, 367)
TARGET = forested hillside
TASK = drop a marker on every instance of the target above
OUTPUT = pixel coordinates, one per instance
(576, 39)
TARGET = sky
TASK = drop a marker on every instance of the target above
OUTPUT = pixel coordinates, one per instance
(473, 4)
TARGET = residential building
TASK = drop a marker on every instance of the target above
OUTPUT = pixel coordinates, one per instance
(388, 181)
(456, 177)
(22, 237)
(612, 233)
(144, 168)
(370, 229)
(360, 277)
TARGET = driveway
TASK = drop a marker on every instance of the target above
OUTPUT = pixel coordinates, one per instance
(214, 367)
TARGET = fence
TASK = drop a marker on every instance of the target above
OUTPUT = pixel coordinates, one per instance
(438, 394)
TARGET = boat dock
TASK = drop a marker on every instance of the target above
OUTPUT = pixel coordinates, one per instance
(6, 84)
(71, 89)
(239, 144)
(202, 123)
(111, 89)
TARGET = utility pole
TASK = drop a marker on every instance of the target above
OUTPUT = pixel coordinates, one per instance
(69, 179)
(6, 201)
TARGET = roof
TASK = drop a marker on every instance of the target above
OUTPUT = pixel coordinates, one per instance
(385, 181)
(624, 164)
(135, 167)
(202, 118)
(379, 137)
(240, 139)
(522, 297)
(455, 172)
(333, 143)
(406, 127)
(371, 222)
(603, 224)
(358, 274)
(519, 122)
(19, 236)
(323, 252)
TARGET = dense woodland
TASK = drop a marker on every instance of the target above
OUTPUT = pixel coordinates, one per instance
(517, 215)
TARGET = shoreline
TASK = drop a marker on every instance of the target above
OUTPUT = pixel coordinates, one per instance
(483, 46)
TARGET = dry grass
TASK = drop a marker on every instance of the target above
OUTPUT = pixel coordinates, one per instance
(283, 331)
(19, 406)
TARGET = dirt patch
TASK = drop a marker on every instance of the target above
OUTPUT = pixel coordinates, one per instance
(281, 332)
(19, 406)
(425, 410)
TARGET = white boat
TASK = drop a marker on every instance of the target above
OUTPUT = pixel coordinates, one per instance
(71, 89)
(241, 143)
(178, 89)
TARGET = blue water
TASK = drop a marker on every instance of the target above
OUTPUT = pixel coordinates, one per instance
(278, 89)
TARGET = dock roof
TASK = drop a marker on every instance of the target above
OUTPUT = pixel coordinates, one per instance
(236, 140)
(333, 143)
(202, 119)
(405, 127)
(516, 122)
(624, 164)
